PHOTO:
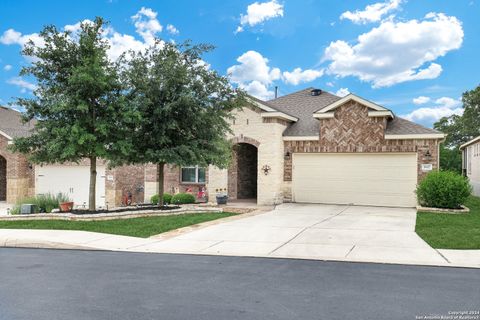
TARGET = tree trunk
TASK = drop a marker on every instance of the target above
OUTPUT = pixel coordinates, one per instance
(160, 167)
(93, 179)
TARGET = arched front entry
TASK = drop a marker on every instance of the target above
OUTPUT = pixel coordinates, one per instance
(243, 172)
(3, 179)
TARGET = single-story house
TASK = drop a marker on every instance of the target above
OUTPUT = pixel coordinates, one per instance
(308, 146)
(471, 163)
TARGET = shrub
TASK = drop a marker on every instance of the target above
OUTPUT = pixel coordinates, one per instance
(443, 189)
(183, 198)
(44, 202)
(167, 198)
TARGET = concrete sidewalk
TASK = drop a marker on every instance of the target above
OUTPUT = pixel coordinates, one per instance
(318, 232)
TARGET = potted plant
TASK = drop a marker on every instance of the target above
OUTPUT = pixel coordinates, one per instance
(222, 196)
(66, 206)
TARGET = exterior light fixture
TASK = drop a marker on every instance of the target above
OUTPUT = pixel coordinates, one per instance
(428, 155)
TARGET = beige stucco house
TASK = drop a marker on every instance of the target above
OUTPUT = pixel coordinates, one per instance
(471, 163)
(308, 146)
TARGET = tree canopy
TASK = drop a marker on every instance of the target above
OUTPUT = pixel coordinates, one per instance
(184, 107)
(462, 128)
(79, 102)
(459, 129)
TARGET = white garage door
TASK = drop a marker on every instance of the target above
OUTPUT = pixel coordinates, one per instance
(384, 179)
(71, 180)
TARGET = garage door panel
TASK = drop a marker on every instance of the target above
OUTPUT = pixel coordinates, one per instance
(365, 179)
(70, 180)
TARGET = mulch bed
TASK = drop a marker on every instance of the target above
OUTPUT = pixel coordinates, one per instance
(132, 208)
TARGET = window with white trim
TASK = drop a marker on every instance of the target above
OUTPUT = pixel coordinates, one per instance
(194, 174)
(469, 160)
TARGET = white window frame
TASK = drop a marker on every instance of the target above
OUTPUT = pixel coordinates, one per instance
(469, 160)
(196, 175)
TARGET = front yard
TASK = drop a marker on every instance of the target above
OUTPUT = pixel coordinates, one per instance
(451, 231)
(135, 227)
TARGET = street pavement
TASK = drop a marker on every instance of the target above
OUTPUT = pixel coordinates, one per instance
(46, 284)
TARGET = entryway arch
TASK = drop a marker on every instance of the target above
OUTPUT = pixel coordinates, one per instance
(3, 178)
(243, 171)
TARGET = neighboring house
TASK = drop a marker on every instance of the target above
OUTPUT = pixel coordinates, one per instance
(471, 163)
(308, 146)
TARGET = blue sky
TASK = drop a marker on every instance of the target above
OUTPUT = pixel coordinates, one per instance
(414, 57)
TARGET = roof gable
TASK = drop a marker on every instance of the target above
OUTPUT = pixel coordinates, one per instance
(379, 111)
(269, 111)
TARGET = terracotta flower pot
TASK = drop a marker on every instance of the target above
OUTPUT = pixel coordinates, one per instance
(66, 206)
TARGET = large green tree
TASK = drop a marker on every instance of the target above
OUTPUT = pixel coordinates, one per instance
(79, 101)
(459, 129)
(184, 107)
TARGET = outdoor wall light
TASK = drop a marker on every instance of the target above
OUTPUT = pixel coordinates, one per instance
(287, 155)
(428, 155)
(266, 169)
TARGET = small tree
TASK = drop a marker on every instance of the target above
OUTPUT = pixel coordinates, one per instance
(78, 103)
(183, 105)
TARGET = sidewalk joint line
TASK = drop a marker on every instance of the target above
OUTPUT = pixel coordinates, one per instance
(351, 249)
(441, 255)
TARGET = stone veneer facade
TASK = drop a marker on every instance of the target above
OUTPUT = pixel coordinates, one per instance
(266, 134)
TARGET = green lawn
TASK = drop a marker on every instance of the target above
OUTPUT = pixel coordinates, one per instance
(135, 227)
(451, 231)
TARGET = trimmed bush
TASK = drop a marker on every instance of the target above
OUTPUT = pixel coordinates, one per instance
(443, 189)
(44, 202)
(167, 198)
(183, 198)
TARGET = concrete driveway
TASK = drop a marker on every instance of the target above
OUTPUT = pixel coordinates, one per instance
(313, 231)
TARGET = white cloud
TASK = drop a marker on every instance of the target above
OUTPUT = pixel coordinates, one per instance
(253, 66)
(371, 13)
(11, 36)
(260, 12)
(258, 89)
(75, 28)
(147, 24)
(171, 29)
(253, 74)
(342, 92)
(396, 52)
(23, 84)
(421, 100)
(330, 84)
(448, 102)
(7, 67)
(298, 75)
(443, 107)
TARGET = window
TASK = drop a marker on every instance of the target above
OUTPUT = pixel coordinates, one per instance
(469, 160)
(193, 175)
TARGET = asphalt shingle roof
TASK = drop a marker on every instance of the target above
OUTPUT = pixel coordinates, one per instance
(12, 125)
(403, 126)
(302, 105)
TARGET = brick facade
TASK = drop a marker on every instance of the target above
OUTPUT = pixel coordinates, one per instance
(19, 174)
(351, 131)
(172, 181)
(127, 182)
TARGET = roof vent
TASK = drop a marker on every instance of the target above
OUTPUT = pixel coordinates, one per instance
(316, 92)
